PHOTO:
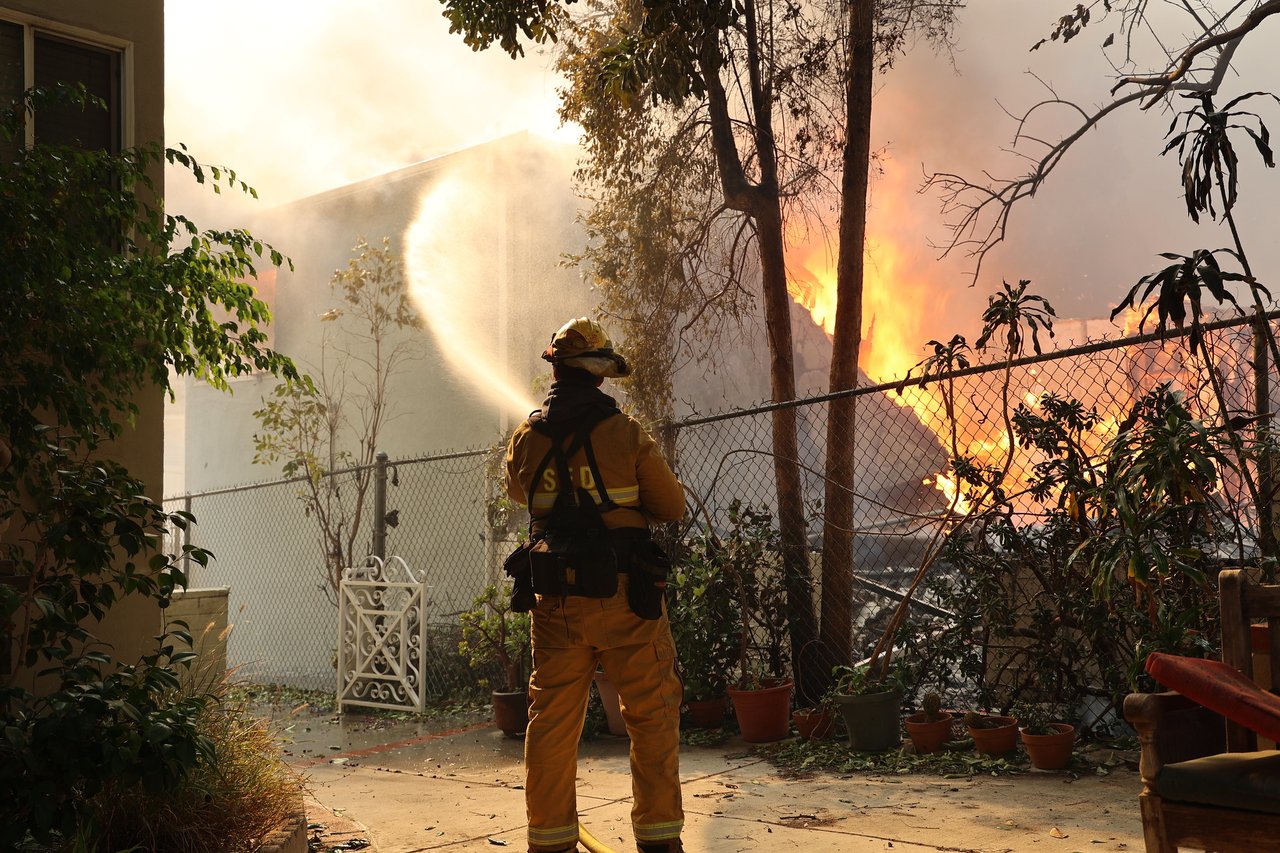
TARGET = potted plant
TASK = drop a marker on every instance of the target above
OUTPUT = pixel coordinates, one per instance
(494, 637)
(761, 694)
(814, 723)
(993, 734)
(1048, 741)
(929, 727)
(869, 704)
(706, 625)
(762, 705)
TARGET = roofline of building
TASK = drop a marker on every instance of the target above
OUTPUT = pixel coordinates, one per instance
(415, 170)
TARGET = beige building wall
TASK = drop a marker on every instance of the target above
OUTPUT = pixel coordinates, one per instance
(136, 28)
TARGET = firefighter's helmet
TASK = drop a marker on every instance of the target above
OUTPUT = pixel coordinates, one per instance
(583, 343)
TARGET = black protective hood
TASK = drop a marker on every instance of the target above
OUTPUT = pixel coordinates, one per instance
(569, 401)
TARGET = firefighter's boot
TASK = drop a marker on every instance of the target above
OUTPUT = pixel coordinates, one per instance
(669, 846)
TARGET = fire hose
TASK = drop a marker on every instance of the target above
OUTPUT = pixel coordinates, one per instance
(589, 841)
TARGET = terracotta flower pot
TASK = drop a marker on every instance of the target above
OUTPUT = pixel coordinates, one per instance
(998, 739)
(612, 707)
(812, 723)
(511, 711)
(764, 715)
(1051, 752)
(927, 736)
(707, 713)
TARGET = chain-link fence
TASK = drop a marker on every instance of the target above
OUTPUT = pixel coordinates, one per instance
(269, 552)
(445, 518)
(906, 433)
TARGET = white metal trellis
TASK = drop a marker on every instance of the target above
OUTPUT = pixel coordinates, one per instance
(382, 630)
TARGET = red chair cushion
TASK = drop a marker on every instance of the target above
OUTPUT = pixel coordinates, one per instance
(1220, 688)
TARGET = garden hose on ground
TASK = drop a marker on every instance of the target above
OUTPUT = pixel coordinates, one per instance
(589, 841)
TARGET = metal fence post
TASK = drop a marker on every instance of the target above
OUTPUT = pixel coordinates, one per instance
(186, 543)
(380, 506)
(1262, 429)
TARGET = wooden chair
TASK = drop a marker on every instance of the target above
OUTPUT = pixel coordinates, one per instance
(1205, 784)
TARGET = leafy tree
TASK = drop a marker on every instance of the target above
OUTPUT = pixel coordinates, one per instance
(326, 427)
(105, 293)
(773, 100)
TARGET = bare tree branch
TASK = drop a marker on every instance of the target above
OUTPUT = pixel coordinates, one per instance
(1157, 85)
(984, 208)
(980, 210)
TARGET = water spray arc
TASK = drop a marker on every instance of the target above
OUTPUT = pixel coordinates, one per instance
(447, 245)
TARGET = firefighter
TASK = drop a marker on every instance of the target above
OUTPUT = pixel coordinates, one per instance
(575, 462)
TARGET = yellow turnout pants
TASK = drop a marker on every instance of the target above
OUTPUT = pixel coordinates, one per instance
(571, 635)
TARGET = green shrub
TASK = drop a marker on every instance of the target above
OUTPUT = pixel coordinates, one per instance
(495, 636)
(96, 731)
(706, 621)
(1123, 563)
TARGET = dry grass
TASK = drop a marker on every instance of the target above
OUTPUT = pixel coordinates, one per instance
(227, 806)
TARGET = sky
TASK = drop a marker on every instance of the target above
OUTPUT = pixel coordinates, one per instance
(300, 97)
(305, 96)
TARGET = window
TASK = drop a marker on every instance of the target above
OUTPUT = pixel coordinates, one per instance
(31, 55)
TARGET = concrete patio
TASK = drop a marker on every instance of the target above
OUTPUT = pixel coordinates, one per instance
(405, 789)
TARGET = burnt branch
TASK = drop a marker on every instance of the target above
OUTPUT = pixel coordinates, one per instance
(978, 210)
(1155, 86)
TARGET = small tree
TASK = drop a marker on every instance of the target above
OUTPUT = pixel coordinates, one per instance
(326, 427)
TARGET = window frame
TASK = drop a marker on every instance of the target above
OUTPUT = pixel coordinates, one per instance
(35, 24)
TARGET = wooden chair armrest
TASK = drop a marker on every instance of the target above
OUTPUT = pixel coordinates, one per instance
(1172, 728)
(1144, 710)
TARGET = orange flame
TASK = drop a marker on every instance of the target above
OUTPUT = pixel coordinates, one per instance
(900, 301)
(898, 297)
(958, 501)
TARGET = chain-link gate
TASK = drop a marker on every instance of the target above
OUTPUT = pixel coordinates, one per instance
(382, 636)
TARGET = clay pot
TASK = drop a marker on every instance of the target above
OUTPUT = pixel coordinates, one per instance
(997, 740)
(812, 723)
(511, 712)
(612, 709)
(707, 713)
(928, 737)
(764, 714)
(1051, 752)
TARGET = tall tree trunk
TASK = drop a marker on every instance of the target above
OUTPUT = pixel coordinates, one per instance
(837, 532)
(762, 203)
(797, 574)
(791, 523)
